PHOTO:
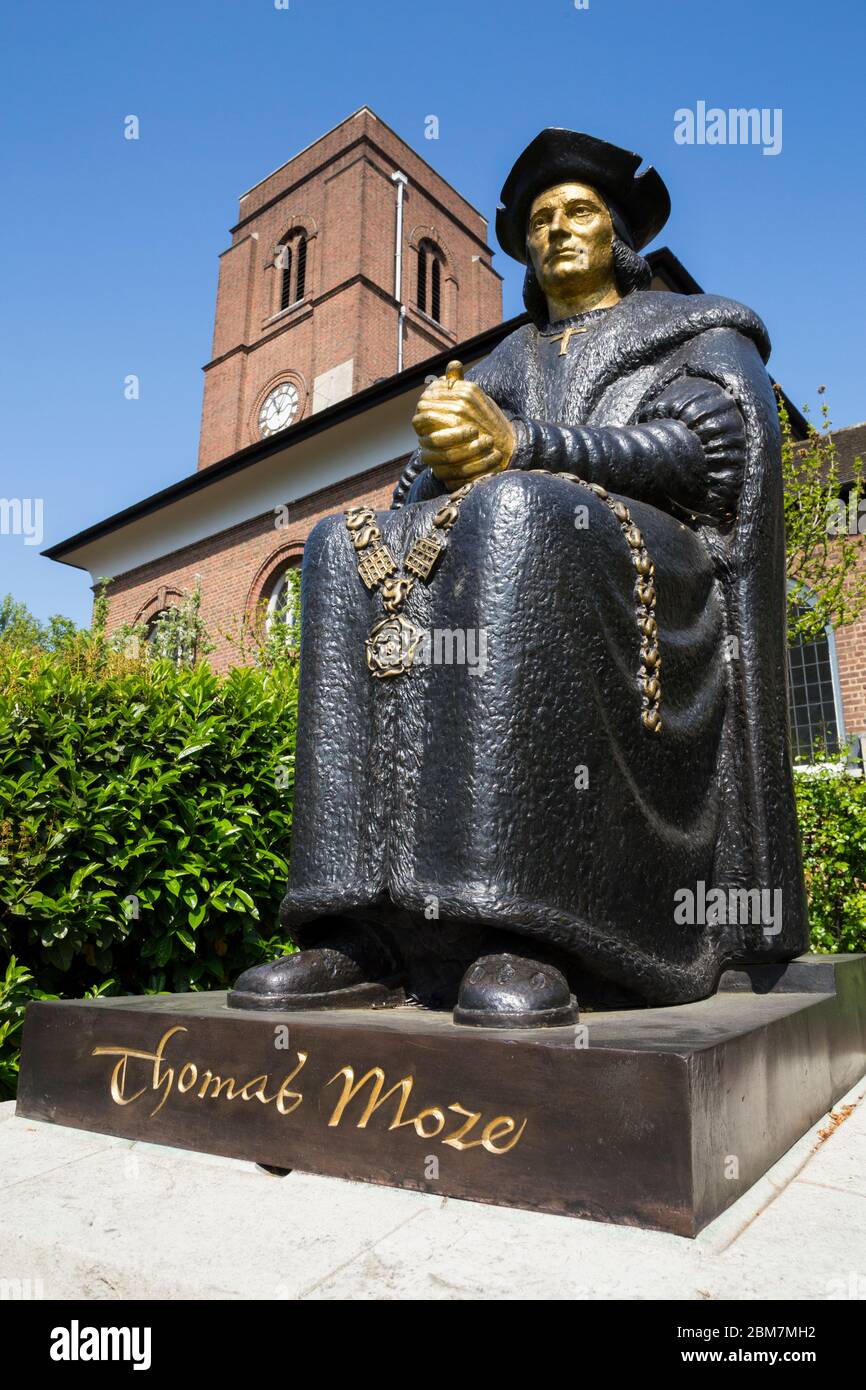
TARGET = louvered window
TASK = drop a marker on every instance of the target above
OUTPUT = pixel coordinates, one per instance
(436, 291)
(302, 268)
(429, 297)
(422, 278)
(285, 262)
(291, 262)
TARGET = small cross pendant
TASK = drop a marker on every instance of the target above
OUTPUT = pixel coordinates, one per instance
(564, 338)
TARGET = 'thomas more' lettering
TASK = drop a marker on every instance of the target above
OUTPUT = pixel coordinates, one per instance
(467, 1130)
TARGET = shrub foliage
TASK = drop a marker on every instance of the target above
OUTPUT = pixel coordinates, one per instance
(145, 817)
(832, 814)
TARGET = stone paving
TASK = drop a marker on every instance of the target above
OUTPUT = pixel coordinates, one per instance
(89, 1216)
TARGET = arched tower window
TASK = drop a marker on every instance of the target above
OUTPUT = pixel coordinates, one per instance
(429, 296)
(292, 264)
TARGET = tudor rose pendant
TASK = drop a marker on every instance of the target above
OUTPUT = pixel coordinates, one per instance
(391, 646)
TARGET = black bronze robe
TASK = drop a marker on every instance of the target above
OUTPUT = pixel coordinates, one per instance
(525, 791)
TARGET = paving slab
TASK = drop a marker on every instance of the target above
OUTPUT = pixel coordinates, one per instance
(98, 1217)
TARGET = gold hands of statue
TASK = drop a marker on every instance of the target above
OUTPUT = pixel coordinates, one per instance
(462, 433)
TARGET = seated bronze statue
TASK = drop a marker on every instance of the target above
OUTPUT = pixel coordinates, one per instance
(597, 509)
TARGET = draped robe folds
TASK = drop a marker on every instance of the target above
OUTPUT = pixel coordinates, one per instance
(522, 791)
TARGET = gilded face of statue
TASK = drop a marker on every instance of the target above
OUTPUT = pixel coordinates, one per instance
(570, 240)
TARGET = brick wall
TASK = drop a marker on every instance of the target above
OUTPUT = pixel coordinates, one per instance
(851, 656)
(238, 567)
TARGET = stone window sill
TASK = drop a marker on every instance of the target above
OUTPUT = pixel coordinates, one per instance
(293, 310)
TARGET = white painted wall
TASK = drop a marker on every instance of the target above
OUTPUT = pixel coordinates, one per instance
(384, 432)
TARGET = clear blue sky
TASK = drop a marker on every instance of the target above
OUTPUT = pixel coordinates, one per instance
(108, 247)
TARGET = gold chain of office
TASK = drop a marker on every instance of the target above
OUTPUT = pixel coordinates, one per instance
(392, 643)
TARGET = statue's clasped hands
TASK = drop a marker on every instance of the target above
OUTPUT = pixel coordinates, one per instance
(462, 433)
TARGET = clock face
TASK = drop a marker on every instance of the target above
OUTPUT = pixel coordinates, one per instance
(279, 408)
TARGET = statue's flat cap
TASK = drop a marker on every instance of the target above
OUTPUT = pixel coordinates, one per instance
(555, 156)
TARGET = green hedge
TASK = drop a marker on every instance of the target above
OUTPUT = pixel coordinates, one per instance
(832, 814)
(145, 817)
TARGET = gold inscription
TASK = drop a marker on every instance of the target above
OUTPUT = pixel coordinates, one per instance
(161, 1080)
(495, 1129)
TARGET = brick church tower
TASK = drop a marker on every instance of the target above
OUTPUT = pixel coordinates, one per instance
(351, 262)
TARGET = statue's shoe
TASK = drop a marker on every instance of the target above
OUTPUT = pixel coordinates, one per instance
(506, 991)
(342, 972)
